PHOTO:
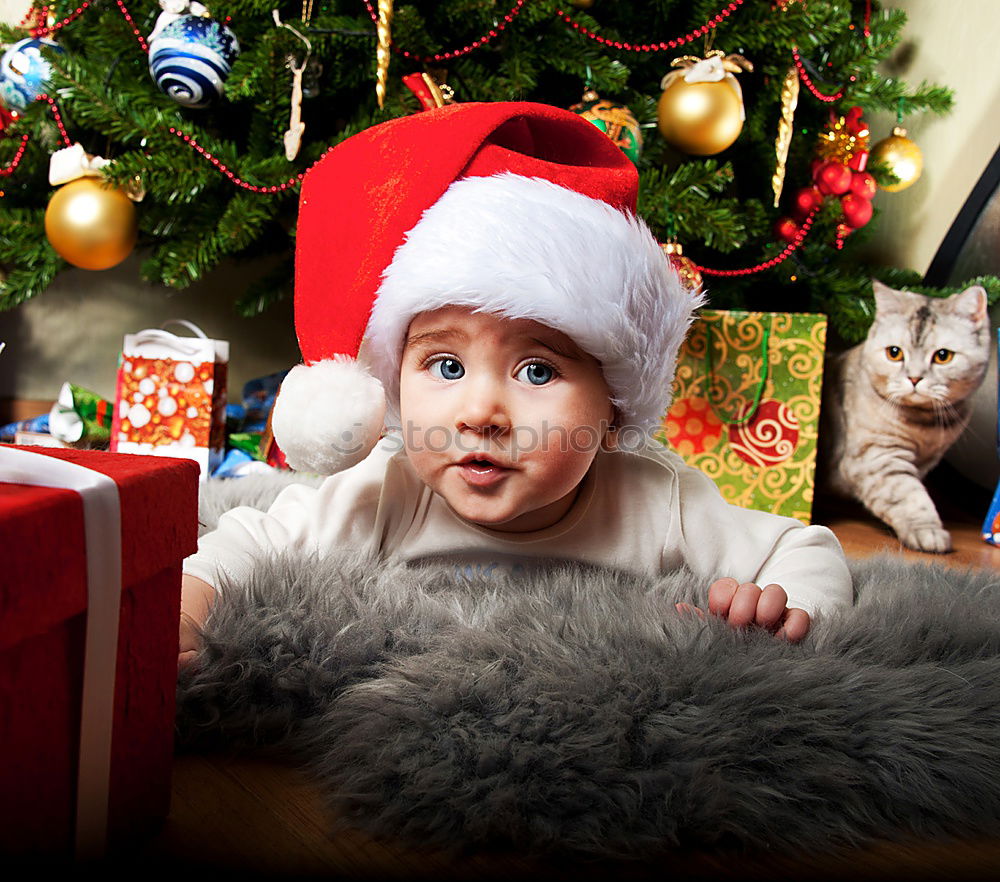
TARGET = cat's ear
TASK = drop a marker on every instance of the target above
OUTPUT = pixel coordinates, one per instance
(887, 299)
(971, 303)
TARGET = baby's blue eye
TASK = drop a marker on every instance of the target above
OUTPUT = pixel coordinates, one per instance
(447, 369)
(537, 373)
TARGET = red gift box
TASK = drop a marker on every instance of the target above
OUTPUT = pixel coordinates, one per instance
(43, 607)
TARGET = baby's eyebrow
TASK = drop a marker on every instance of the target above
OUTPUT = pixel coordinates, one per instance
(556, 349)
(442, 335)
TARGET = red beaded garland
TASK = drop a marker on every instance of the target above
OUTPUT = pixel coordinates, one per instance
(657, 47)
(48, 29)
(58, 118)
(76, 13)
(138, 36)
(13, 164)
(236, 179)
(465, 50)
(800, 237)
(829, 99)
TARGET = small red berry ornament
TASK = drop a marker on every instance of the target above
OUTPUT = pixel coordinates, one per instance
(786, 229)
(857, 210)
(805, 201)
(838, 171)
(863, 185)
(833, 178)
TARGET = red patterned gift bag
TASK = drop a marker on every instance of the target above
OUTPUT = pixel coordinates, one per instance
(171, 396)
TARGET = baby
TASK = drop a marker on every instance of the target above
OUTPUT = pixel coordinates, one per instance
(490, 336)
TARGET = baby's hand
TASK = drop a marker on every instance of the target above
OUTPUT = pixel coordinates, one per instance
(197, 597)
(748, 604)
(189, 642)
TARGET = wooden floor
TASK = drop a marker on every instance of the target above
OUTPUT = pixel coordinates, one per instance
(258, 819)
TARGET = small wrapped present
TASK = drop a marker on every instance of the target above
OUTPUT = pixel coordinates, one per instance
(93, 544)
(80, 417)
(170, 398)
(746, 406)
(991, 525)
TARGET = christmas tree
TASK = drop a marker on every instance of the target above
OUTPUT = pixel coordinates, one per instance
(218, 182)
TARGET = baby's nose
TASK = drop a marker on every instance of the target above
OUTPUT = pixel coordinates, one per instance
(483, 408)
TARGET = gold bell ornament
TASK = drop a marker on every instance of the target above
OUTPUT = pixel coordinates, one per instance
(686, 268)
(89, 222)
(901, 156)
(701, 109)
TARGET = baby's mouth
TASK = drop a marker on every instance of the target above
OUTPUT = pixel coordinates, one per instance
(482, 471)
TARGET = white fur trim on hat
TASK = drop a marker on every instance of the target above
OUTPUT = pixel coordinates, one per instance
(328, 416)
(527, 248)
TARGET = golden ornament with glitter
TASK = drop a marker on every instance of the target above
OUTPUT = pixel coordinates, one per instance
(789, 101)
(846, 141)
(901, 156)
(384, 27)
(686, 268)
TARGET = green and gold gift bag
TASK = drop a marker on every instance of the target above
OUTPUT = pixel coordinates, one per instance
(746, 406)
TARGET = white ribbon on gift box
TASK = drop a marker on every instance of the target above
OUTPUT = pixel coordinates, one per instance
(103, 544)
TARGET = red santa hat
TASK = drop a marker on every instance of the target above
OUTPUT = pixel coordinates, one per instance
(519, 209)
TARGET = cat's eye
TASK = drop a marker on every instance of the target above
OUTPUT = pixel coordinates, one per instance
(894, 353)
(942, 356)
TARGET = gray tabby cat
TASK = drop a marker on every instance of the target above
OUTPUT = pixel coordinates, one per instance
(896, 402)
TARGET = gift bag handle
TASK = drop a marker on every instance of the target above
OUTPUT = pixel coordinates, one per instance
(709, 370)
(191, 326)
(156, 335)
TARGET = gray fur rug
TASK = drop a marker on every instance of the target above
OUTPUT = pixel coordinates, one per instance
(576, 712)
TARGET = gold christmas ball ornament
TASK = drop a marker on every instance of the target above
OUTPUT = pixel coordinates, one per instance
(901, 156)
(91, 224)
(686, 268)
(701, 109)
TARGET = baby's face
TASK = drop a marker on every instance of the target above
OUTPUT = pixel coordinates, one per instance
(501, 417)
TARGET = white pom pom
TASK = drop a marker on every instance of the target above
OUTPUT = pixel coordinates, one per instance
(328, 416)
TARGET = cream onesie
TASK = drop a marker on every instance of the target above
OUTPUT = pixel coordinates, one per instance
(647, 513)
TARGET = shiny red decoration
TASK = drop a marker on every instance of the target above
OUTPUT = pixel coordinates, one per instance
(833, 178)
(857, 210)
(859, 161)
(786, 229)
(863, 185)
(806, 201)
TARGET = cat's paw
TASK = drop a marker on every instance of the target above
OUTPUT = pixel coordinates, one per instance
(935, 540)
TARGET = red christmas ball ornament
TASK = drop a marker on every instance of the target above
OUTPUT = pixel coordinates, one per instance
(833, 178)
(6, 117)
(863, 185)
(786, 229)
(857, 209)
(806, 200)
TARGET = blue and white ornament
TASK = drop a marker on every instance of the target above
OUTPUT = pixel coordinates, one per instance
(190, 57)
(24, 72)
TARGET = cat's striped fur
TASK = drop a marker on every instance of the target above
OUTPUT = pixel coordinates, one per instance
(895, 403)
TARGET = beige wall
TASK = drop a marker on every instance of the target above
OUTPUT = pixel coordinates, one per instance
(955, 45)
(73, 331)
